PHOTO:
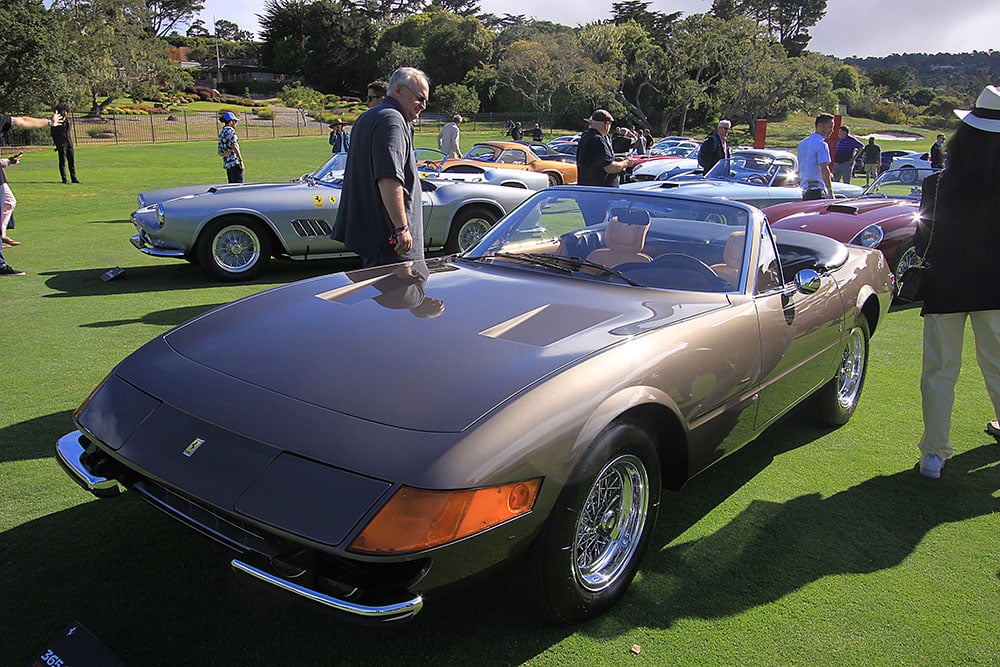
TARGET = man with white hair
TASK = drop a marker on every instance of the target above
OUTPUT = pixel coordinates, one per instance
(380, 215)
(715, 147)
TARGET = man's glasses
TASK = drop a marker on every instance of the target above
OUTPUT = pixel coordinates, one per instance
(420, 98)
(375, 97)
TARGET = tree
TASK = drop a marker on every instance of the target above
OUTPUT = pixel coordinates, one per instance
(197, 29)
(31, 73)
(303, 99)
(455, 98)
(231, 32)
(788, 20)
(108, 50)
(165, 15)
(847, 78)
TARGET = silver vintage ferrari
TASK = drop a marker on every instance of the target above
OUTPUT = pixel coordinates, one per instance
(233, 230)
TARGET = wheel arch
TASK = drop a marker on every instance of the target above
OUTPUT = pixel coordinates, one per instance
(234, 215)
(653, 410)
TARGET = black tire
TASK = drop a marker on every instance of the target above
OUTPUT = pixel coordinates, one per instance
(468, 227)
(907, 175)
(234, 248)
(590, 548)
(838, 398)
(554, 178)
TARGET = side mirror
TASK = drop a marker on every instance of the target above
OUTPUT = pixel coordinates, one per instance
(807, 281)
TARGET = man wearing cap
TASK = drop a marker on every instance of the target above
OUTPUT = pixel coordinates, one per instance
(448, 138)
(229, 148)
(340, 139)
(595, 161)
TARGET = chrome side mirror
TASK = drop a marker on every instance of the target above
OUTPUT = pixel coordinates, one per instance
(807, 281)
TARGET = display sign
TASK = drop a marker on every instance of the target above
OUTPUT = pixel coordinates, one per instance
(76, 647)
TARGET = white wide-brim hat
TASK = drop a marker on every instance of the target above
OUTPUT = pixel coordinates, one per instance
(986, 114)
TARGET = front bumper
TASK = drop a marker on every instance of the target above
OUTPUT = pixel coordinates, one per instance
(260, 557)
(147, 246)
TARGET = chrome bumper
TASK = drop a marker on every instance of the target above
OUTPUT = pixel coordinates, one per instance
(396, 611)
(142, 246)
(69, 452)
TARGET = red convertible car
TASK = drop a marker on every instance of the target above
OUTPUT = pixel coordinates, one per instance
(885, 217)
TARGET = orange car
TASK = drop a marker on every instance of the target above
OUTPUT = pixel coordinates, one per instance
(507, 155)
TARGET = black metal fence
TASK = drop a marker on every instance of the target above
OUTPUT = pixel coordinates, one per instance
(204, 125)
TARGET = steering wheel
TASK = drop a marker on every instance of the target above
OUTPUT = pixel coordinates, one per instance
(757, 178)
(676, 260)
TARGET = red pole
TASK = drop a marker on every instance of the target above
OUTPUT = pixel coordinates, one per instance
(760, 133)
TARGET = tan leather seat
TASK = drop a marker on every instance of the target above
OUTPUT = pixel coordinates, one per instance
(732, 258)
(624, 239)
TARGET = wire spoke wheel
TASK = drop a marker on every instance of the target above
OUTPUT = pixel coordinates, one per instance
(611, 523)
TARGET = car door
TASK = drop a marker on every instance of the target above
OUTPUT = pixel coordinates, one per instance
(800, 334)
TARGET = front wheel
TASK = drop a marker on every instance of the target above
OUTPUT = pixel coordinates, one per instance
(838, 398)
(468, 227)
(593, 542)
(234, 249)
(907, 258)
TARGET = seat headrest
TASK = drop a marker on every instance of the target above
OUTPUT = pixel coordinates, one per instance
(630, 216)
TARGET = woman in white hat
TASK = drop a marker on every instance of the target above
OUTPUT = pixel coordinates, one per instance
(960, 233)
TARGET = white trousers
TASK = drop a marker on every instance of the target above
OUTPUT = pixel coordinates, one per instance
(943, 336)
(8, 208)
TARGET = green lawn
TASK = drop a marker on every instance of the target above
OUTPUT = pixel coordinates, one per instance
(807, 547)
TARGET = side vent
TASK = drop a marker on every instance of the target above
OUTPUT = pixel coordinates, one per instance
(309, 228)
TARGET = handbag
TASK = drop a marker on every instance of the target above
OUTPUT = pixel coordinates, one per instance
(912, 283)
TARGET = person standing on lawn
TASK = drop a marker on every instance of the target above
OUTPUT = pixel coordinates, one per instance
(8, 203)
(959, 232)
(871, 157)
(843, 157)
(229, 148)
(814, 161)
(381, 212)
(62, 137)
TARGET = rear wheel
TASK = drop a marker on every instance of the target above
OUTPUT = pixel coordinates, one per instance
(593, 542)
(233, 249)
(907, 258)
(468, 227)
(554, 178)
(908, 175)
(838, 398)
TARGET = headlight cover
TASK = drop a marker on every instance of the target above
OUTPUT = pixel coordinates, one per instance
(868, 237)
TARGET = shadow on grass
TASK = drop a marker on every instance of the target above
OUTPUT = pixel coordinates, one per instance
(35, 438)
(178, 275)
(155, 593)
(107, 222)
(170, 317)
(772, 549)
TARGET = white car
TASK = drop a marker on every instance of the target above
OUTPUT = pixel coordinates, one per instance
(661, 170)
(911, 161)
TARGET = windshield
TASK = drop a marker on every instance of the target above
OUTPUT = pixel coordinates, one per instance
(755, 169)
(480, 152)
(905, 183)
(624, 237)
(332, 171)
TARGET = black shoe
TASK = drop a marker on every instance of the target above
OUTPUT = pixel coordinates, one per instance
(75, 181)
(65, 182)
(8, 270)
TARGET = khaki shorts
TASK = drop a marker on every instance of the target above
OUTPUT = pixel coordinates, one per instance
(871, 169)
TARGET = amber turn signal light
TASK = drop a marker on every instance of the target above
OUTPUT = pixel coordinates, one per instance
(417, 519)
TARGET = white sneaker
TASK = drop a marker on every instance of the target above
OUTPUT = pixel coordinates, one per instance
(930, 466)
(993, 428)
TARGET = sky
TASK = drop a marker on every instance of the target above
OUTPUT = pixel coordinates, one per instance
(850, 28)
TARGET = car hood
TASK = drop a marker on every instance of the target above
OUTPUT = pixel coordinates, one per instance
(842, 220)
(237, 189)
(384, 346)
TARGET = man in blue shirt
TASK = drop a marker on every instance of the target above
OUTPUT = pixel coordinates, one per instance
(814, 161)
(229, 148)
(340, 139)
(843, 157)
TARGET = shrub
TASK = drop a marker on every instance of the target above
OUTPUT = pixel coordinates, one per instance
(264, 113)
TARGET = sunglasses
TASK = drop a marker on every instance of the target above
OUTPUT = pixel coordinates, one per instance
(420, 98)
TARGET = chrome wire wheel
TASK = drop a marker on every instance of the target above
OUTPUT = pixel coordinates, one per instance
(611, 523)
(236, 248)
(472, 231)
(906, 260)
(852, 370)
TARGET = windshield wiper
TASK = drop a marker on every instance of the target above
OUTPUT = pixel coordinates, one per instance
(576, 261)
(526, 257)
